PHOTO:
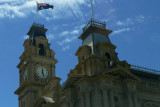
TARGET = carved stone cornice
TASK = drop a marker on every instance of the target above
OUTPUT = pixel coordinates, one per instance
(106, 44)
(26, 84)
(37, 58)
(122, 72)
(148, 91)
(105, 32)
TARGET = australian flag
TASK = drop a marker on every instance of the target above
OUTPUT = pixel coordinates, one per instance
(42, 6)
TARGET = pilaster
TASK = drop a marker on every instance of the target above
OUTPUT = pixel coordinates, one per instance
(105, 97)
(129, 97)
(82, 103)
(135, 100)
(87, 98)
(111, 97)
(97, 98)
(130, 92)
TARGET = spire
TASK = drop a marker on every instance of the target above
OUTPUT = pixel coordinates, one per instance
(92, 10)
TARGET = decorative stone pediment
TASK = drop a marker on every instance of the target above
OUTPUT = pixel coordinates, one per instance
(83, 52)
(106, 44)
(83, 49)
(76, 71)
(122, 74)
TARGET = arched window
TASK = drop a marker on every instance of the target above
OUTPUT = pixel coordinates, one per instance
(41, 50)
(108, 55)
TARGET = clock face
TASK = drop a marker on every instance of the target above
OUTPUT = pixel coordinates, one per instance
(42, 72)
(25, 74)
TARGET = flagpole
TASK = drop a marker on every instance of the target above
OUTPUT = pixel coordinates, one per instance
(92, 10)
(37, 11)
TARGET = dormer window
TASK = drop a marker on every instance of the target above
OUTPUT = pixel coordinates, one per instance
(41, 50)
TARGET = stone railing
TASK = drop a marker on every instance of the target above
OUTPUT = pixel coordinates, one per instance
(38, 25)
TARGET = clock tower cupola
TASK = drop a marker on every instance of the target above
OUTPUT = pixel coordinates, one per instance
(36, 67)
(97, 53)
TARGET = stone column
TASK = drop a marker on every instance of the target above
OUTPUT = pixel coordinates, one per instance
(130, 89)
(53, 71)
(105, 97)
(129, 97)
(135, 100)
(67, 104)
(82, 103)
(71, 104)
(97, 98)
(111, 98)
(68, 100)
(87, 98)
(32, 68)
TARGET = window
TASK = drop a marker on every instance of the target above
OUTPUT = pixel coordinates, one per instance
(41, 50)
(115, 98)
(107, 55)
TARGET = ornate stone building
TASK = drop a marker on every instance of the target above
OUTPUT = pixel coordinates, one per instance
(99, 79)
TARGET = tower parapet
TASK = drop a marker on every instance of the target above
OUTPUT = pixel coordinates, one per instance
(37, 30)
(94, 23)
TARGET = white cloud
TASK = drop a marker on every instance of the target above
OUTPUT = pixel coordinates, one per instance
(120, 23)
(66, 48)
(121, 30)
(6, 1)
(64, 33)
(140, 18)
(22, 8)
(67, 33)
(131, 21)
(75, 32)
(69, 36)
(50, 37)
(26, 37)
(126, 22)
(67, 40)
(16, 8)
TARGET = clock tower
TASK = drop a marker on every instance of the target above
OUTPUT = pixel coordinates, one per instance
(36, 67)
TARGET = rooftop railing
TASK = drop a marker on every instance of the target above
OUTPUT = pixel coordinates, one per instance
(94, 23)
(145, 69)
(38, 25)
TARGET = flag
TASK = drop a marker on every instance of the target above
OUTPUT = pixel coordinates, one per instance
(41, 6)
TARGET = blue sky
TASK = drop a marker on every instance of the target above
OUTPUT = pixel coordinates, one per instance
(135, 25)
